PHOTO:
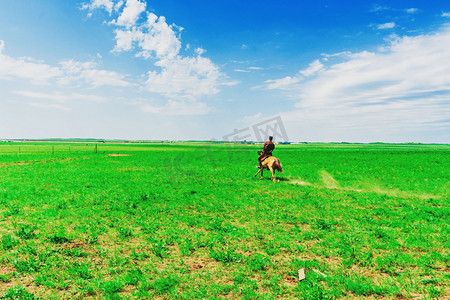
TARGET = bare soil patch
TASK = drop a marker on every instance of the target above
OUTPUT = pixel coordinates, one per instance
(6, 270)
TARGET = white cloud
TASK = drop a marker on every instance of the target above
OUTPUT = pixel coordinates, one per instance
(87, 72)
(25, 68)
(313, 68)
(108, 5)
(200, 51)
(383, 8)
(52, 106)
(248, 70)
(230, 82)
(55, 96)
(68, 71)
(388, 25)
(130, 14)
(179, 108)
(188, 77)
(377, 8)
(287, 82)
(155, 38)
(403, 88)
(412, 10)
(60, 97)
(125, 39)
(445, 14)
(88, 97)
(283, 83)
(176, 76)
(102, 77)
(241, 71)
(251, 119)
(159, 38)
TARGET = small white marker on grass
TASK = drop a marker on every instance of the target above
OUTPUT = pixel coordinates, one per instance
(301, 274)
(320, 273)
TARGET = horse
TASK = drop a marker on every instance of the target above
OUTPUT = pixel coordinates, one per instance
(271, 163)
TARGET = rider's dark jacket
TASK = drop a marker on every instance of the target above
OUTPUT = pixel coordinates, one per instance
(268, 147)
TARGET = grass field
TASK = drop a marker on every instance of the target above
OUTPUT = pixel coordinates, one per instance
(184, 221)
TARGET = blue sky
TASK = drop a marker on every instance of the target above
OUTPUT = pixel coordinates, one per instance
(357, 71)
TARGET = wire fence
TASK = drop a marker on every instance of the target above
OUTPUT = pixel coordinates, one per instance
(13, 148)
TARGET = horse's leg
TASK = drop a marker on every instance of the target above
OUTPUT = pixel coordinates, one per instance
(261, 173)
(273, 173)
(257, 173)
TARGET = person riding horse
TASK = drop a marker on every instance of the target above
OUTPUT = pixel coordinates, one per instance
(268, 147)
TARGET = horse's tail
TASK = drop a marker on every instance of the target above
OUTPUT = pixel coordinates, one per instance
(279, 166)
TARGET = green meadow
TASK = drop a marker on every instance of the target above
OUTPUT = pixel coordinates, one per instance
(189, 220)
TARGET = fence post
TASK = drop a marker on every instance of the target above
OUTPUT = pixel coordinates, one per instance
(95, 150)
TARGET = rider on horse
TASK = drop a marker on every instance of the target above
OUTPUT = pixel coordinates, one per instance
(267, 151)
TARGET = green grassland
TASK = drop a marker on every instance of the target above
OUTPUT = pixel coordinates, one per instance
(189, 220)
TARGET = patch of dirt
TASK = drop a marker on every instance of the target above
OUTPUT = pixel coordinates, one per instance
(31, 162)
(290, 281)
(328, 180)
(116, 154)
(20, 163)
(26, 282)
(73, 245)
(6, 270)
(195, 267)
(330, 183)
(300, 182)
(197, 264)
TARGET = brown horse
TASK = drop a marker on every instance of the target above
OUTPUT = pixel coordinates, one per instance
(271, 163)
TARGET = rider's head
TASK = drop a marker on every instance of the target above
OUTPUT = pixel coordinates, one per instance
(270, 138)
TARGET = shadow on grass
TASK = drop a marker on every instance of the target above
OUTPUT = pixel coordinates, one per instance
(278, 179)
(283, 179)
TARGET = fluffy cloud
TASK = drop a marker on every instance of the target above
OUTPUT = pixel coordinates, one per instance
(248, 70)
(178, 108)
(408, 66)
(377, 8)
(176, 76)
(108, 5)
(287, 82)
(51, 106)
(154, 38)
(405, 86)
(56, 99)
(88, 73)
(412, 10)
(256, 118)
(130, 14)
(60, 97)
(283, 83)
(26, 68)
(313, 68)
(55, 96)
(388, 25)
(126, 38)
(241, 71)
(66, 73)
(189, 77)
